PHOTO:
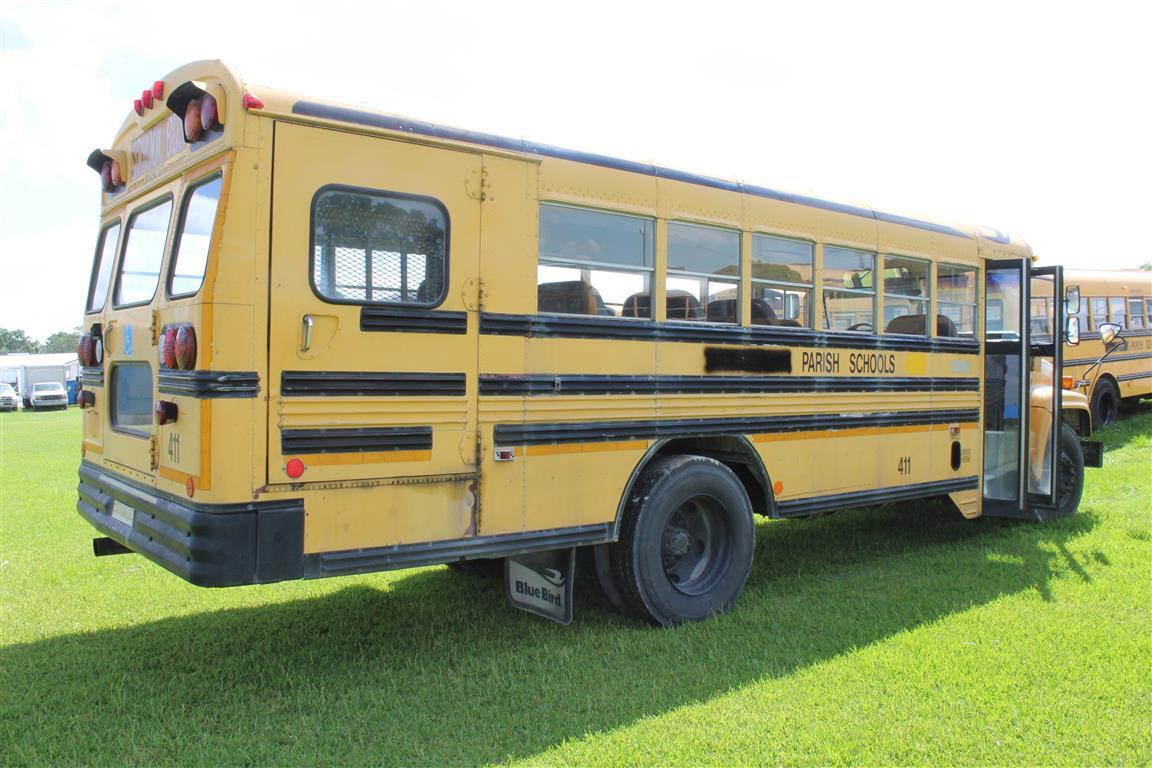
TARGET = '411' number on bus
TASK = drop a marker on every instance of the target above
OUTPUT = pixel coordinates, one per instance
(905, 467)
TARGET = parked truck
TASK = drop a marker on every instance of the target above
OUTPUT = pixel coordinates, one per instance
(28, 376)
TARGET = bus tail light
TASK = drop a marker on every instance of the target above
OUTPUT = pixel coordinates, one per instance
(168, 348)
(86, 351)
(185, 348)
(177, 347)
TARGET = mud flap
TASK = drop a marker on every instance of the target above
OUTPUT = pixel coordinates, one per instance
(1093, 453)
(541, 583)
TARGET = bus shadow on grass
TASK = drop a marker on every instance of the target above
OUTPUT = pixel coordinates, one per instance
(434, 668)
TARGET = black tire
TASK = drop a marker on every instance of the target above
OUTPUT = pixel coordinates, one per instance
(1070, 473)
(686, 542)
(1105, 404)
(486, 568)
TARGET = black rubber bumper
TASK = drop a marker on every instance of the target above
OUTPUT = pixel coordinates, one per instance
(210, 545)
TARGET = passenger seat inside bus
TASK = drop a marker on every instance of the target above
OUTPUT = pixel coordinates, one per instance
(681, 305)
(913, 325)
(571, 297)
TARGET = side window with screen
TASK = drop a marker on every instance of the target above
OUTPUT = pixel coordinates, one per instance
(373, 247)
(594, 262)
(197, 220)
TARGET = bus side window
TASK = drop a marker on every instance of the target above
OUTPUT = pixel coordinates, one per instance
(1116, 310)
(906, 295)
(849, 289)
(782, 274)
(956, 301)
(1099, 308)
(378, 248)
(594, 262)
(703, 270)
(1136, 314)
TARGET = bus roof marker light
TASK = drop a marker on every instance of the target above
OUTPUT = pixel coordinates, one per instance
(138, 107)
(252, 102)
(146, 98)
(158, 90)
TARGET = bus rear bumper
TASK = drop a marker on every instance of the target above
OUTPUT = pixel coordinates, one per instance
(210, 545)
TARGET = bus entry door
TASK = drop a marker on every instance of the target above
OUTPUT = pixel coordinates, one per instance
(1023, 334)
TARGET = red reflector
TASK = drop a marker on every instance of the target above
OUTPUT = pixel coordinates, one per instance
(168, 348)
(294, 468)
(158, 89)
(252, 102)
(138, 106)
(185, 348)
(209, 114)
(166, 412)
(192, 127)
(146, 99)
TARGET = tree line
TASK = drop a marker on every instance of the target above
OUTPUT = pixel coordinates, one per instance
(15, 341)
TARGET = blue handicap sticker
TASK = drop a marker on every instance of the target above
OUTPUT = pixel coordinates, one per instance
(127, 340)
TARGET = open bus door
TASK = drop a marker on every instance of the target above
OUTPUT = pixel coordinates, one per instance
(1024, 318)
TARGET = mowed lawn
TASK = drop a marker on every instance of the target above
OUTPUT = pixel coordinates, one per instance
(900, 635)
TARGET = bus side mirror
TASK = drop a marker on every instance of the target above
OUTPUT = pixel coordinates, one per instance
(1109, 332)
(1072, 300)
(1072, 332)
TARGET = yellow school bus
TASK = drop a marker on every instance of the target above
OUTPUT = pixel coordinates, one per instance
(321, 340)
(1122, 297)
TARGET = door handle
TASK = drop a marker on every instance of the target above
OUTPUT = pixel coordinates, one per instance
(309, 324)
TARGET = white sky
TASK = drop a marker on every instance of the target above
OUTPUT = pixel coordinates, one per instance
(1030, 117)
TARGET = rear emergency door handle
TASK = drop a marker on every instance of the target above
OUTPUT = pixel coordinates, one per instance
(309, 324)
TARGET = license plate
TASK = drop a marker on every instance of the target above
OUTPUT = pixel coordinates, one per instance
(123, 513)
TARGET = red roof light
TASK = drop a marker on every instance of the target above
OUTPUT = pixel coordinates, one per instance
(158, 89)
(252, 102)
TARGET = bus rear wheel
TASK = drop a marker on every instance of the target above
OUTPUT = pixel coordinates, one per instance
(686, 542)
(1105, 404)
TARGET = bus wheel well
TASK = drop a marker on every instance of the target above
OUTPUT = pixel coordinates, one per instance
(737, 454)
(1080, 421)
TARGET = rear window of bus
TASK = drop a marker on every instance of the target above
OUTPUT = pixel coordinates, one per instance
(143, 252)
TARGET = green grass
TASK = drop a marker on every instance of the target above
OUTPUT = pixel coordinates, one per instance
(897, 635)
